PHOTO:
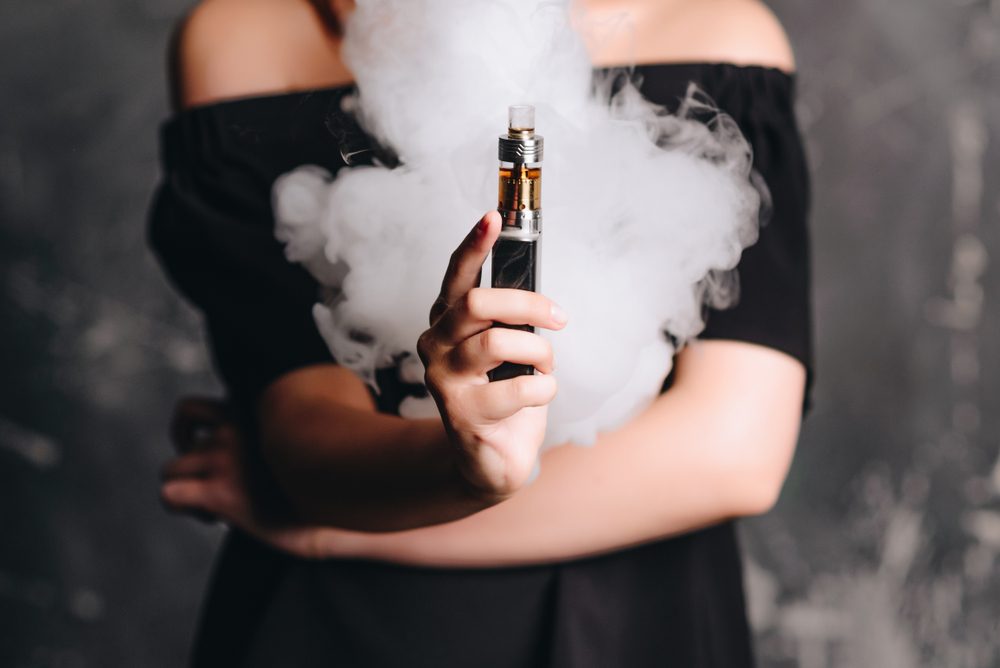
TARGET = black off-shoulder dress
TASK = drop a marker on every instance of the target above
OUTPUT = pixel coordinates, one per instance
(676, 602)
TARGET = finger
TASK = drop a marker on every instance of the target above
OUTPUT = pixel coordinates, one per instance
(194, 420)
(465, 270)
(191, 465)
(188, 500)
(481, 307)
(503, 398)
(209, 495)
(478, 354)
(184, 495)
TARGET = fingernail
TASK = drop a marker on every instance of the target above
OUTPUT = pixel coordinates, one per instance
(559, 315)
(484, 224)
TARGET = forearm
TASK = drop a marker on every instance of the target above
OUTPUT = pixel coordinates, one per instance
(682, 464)
(343, 464)
(629, 488)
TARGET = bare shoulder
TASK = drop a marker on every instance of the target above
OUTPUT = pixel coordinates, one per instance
(744, 32)
(226, 49)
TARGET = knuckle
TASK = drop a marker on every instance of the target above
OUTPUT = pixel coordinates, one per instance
(547, 348)
(434, 377)
(490, 341)
(474, 302)
(519, 389)
(426, 347)
(422, 348)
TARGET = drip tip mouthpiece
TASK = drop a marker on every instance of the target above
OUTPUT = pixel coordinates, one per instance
(521, 117)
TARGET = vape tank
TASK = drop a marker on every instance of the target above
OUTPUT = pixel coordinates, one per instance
(517, 252)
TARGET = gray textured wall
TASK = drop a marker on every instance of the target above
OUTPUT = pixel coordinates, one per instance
(93, 346)
(884, 548)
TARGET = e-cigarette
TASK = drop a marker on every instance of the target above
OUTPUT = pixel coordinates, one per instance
(517, 252)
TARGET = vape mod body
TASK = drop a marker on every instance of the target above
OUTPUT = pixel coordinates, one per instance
(517, 252)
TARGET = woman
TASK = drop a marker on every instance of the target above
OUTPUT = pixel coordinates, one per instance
(366, 539)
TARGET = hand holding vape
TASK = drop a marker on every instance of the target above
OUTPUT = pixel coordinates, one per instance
(517, 251)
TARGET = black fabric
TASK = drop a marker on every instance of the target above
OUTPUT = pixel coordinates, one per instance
(774, 274)
(676, 602)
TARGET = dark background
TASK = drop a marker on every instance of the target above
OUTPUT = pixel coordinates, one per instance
(883, 550)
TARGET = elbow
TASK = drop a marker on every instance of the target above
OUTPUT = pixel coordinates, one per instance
(301, 490)
(279, 468)
(274, 455)
(760, 492)
(759, 470)
(750, 401)
(296, 486)
(284, 462)
(275, 460)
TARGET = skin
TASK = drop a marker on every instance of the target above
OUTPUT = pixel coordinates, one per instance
(452, 492)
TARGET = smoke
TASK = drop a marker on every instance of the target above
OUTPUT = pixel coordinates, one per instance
(645, 212)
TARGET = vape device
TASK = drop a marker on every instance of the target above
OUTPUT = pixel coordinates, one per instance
(517, 252)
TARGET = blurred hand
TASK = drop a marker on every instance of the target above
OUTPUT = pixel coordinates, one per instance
(208, 480)
(497, 427)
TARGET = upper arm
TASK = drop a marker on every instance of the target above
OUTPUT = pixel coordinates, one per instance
(293, 402)
(234, 48)
(223, 49)
(742, 372)
(743, 32)
(751, 396)
(318, 383)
